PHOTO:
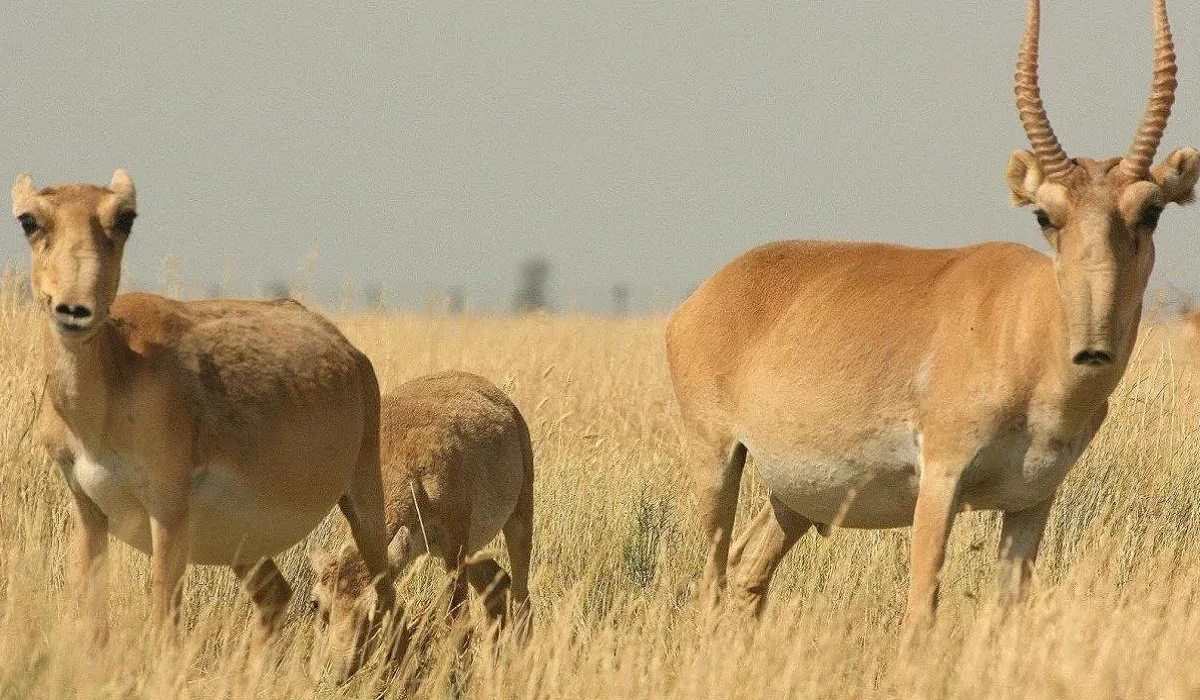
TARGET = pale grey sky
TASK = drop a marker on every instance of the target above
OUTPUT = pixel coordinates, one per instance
(441, 142)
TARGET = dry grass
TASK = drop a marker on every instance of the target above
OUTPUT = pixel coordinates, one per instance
(617, 552)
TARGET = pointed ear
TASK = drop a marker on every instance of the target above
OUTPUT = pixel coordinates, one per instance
(122, 186)
(22, 190)
(1177, 174)
(1024, 176)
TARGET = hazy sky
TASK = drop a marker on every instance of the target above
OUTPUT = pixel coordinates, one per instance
(440, 143)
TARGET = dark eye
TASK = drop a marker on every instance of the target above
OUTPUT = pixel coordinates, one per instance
(28, 223)
(124, 222)
(1042, 219)
(1149, 218)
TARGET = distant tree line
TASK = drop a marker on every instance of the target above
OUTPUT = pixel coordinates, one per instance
(533, 291)
(532, 286)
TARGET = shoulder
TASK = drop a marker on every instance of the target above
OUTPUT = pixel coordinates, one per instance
(152, 319)
(1001, 259)
(256, 343)
(145, 321)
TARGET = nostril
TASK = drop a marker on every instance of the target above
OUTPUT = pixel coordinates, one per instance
(77, 312)
(1094, 358)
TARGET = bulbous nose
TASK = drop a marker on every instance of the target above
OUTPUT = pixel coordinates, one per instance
(1093, 357)
(73, 315)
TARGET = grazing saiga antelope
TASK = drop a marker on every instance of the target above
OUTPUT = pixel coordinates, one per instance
(214, 432)
(457, 470)
(880, 386)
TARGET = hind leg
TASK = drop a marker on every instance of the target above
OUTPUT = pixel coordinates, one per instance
(757, 554)
(452, 557)
(363, 509)
(363, 502)
(518, 538)
(491, 582)
(270, 593)
(717, 493)
(455, 563)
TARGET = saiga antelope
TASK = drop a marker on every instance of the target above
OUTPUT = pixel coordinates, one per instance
(457, 470)
(213, 432)
(879, 386)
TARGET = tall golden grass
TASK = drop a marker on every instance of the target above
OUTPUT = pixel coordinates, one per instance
(618, 552)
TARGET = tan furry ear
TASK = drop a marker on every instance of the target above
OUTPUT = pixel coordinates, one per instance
(22, 190)
(319, 559)
(1024, 175)
(1177, 174)
(122, 186)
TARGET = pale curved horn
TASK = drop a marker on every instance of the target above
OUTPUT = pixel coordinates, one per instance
(1162, 95)
(1051, 156)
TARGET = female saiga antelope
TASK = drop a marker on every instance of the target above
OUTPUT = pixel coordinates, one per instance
(457, 469)
(216, 432)
(879, 386)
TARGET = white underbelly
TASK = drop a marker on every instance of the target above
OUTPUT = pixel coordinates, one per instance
(877, 485)
(228, 522)
(874, 488)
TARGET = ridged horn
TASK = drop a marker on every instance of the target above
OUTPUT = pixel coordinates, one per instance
(1051, 156)
(1162, 95)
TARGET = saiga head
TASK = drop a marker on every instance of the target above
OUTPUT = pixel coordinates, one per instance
(345, 601)
(77, 235)
(1099, 216)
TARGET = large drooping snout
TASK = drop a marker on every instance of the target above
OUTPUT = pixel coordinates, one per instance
(351, 643)
(1091, 292)
(77, 294)
(357, 629)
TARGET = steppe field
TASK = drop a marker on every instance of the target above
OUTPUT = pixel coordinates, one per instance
(1115, 613)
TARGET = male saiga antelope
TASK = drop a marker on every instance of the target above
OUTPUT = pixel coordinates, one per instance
(214, 432)
(879, 386)
(457, 470)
